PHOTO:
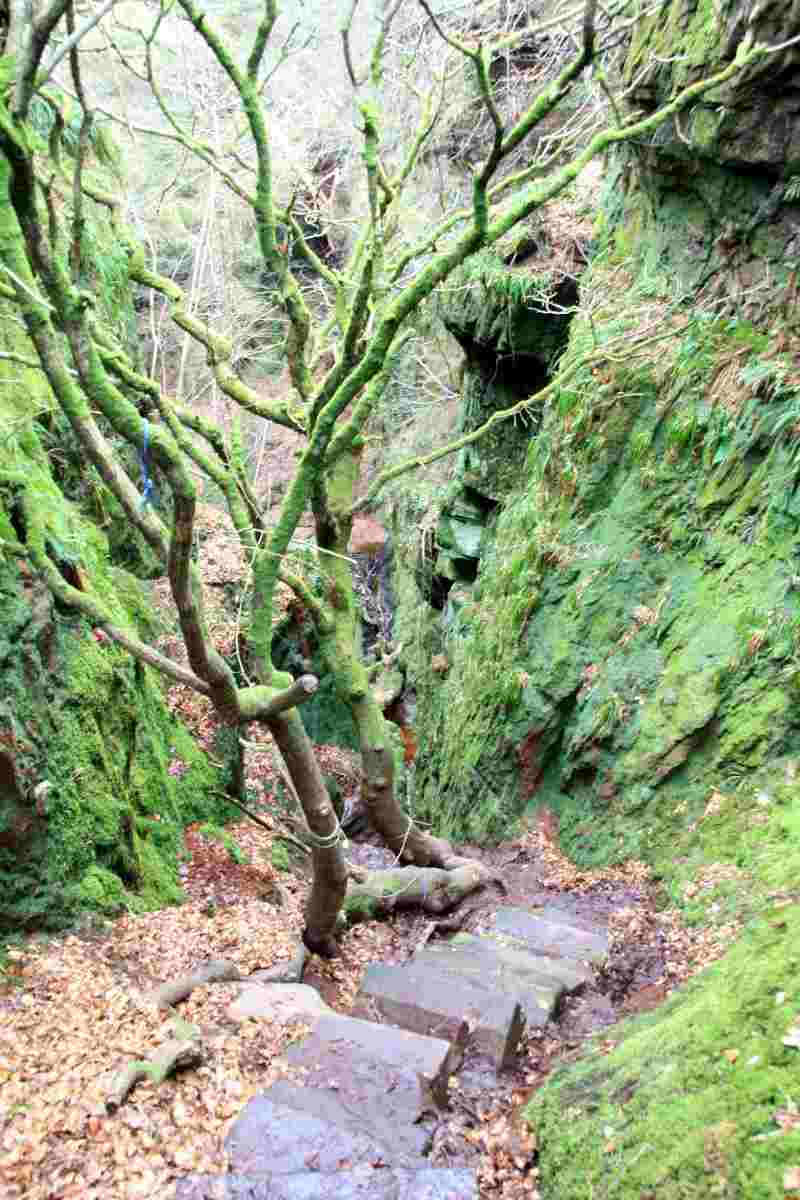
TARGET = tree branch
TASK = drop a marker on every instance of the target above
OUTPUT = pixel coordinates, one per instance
(71, 44)
(262, 37)
(259, 703)
(300, 322)
(39, 33)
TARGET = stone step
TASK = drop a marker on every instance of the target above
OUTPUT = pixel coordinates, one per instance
(357, 1081)
(568, 973)
(278, 1002)
(563, 911)
(386, 1073)
(358, 1183)
(291, 1129)
(507, 971)
(547, 934)
(424, 998)
(345, 1037)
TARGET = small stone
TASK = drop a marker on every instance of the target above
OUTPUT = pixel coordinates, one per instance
(278, 1002)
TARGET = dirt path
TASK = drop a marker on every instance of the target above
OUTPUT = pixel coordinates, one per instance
(69, 1016)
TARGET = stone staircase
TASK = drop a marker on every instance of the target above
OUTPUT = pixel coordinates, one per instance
(356, 1122)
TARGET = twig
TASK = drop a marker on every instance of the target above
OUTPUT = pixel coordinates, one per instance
(73, 40)
(284, 835)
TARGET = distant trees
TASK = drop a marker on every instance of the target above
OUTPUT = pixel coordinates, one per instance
(343, 340)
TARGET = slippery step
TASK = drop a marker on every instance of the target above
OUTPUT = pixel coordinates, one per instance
(424, 998)
(358, 1097)
(506, 971)
(382, 1077)
(549, 933)
(289, 1130)
(359, 1183)
(531, 969)
(337, 1043)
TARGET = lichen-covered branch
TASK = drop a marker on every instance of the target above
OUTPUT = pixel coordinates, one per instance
(430, 889)
(300, 322)
(174, 1055)
(35, 40)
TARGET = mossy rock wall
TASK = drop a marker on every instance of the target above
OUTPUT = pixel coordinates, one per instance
(97, 779)
(628, 654)
(712, 197)
(629, 657)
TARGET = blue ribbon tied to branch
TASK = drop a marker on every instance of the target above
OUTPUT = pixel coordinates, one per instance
(148, 487)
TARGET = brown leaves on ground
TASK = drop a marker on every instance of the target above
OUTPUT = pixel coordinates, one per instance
(559, 872)
(81, 1016)
(686, 949)
(491, 1134)
(82, 1013)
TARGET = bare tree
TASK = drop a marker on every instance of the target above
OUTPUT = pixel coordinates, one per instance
(343, 340)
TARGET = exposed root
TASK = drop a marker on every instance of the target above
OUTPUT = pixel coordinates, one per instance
(218, 970)
(288, 971)
(432, 889)
(182, 1051)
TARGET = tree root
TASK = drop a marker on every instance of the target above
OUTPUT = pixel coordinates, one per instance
(287, 971)
(219, 970)
(184, 1050)
(432, 889)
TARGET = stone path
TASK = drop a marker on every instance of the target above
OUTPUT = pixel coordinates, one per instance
(354, 1120)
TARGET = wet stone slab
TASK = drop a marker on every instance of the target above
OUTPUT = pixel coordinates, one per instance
(489, 964)
(279, 1002)
(372, 1068)
(425, 998)
(531, 969)
(360, 1183)
(292, 1129)
(547, 933)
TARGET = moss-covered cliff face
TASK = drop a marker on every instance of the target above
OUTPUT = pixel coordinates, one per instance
(96, 777)
(713, 197)
(624, 625)
(626, 651)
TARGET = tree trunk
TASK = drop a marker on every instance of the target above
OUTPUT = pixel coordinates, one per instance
(339, 644)
(397, 829)
(330, 871)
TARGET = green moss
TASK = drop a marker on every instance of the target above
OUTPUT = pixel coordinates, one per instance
(279, 856)
(668, 1113)
(633, 664)
(100, 890)
(688, 1098)
(358, 908)
(80, 715)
